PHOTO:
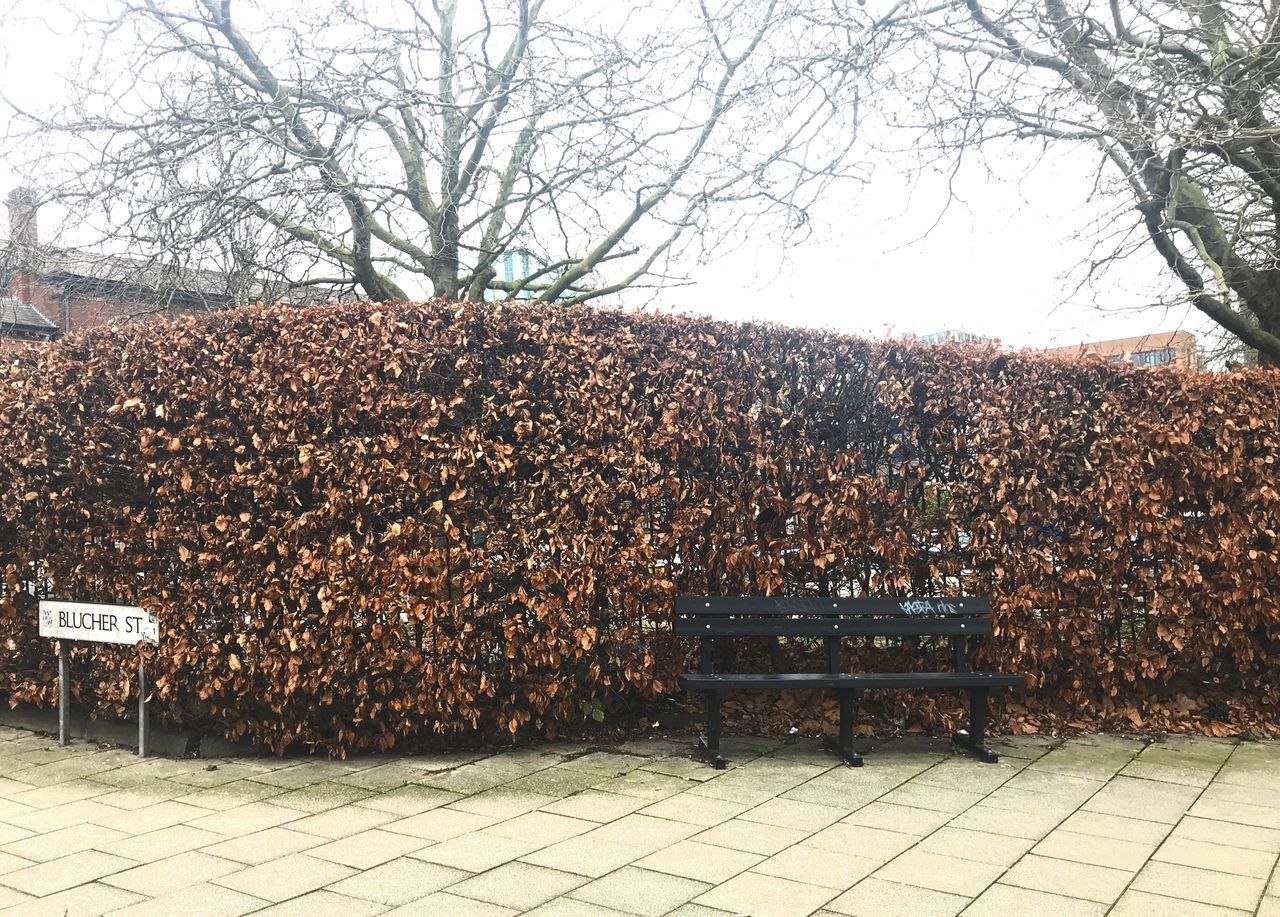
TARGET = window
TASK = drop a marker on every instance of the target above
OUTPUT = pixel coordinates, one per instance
(1153, 357)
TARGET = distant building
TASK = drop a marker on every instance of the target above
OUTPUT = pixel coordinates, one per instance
(47, 291)
(1164, 348)
(514, 267)
(952, 336)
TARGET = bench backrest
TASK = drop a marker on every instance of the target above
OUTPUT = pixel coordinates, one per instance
(709, 617)
(894, 616)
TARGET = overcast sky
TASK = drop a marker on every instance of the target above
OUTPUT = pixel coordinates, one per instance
(996, 263)
(999, 264)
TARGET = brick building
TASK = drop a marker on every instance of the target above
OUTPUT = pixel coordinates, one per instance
(1164, 348)
(46, 291)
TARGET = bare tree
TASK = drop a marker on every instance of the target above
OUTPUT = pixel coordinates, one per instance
(1176, 101)
(396, 147)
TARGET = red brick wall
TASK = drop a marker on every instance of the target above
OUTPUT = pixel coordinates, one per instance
(1183, 344)
(72, 310)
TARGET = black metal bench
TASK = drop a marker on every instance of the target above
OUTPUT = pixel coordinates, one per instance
(713, 618)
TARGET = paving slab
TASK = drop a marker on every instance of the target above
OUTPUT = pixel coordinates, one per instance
(44, 879)
(638, 891)
(559, 782)
(63, 841)
(1003, 900)
(443, 903)
(1095, 851)
(342, 822)
(596, 805)
(1049, 804)
(398, 881)
(985, 847)
(572, 907)
(791, 813)
(543, 827)
(245, 819)
(751, 836)
(231, 795)
(586, 855)
(1241, 813)
(518, 885)
(815, 866)
(1205, 886)
(693, 809)
(939, 872)
(903, 819)
(1134, 903)
(197, 900)
(323, 904)
(368, 848)
(409, 800)
(644, 831)
(171, 874)
(55, 813)
(89, 900)
(439, 824)
(870, 842)
(644, 784)
(1229, 834)
(874, 897)
(162, 814)
(1118, 827)
(320, 797)
(502, 802)
(703, 862)
(286, 877)
(384, 777)
(1067, 878)
(928, 796)
(477, 851)
(1032, 825)
(1237, 861)
(609, 763)
(261, 846)
(155, 845)
(960, 774)
(1184, 774)
(766, 896)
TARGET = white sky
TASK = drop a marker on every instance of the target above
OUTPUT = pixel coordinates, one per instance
(994, 265)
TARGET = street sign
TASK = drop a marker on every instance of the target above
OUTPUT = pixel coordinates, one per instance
(97, 623)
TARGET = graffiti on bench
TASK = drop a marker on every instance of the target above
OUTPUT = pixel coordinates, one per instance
(927, 607)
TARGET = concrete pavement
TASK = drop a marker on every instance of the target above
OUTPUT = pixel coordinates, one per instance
(1091, 826)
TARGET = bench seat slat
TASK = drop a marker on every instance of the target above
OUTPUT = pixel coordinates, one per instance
(817, 627)
(788, 680)
(894, 606)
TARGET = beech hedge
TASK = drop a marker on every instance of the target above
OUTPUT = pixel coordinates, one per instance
(364, 524)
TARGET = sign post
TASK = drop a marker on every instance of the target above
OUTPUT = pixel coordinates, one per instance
(95, 623)
(64, 694)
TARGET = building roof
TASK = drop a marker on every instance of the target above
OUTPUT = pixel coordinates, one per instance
(20, 316)
(150, 276)
(156, 277)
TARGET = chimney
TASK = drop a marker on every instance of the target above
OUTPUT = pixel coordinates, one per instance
(23, 204)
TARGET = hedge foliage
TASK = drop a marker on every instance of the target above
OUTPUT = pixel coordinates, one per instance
(362, 523)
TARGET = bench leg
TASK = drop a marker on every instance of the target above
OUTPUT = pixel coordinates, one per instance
(975, 737)
(844, 745)
(710, 743)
